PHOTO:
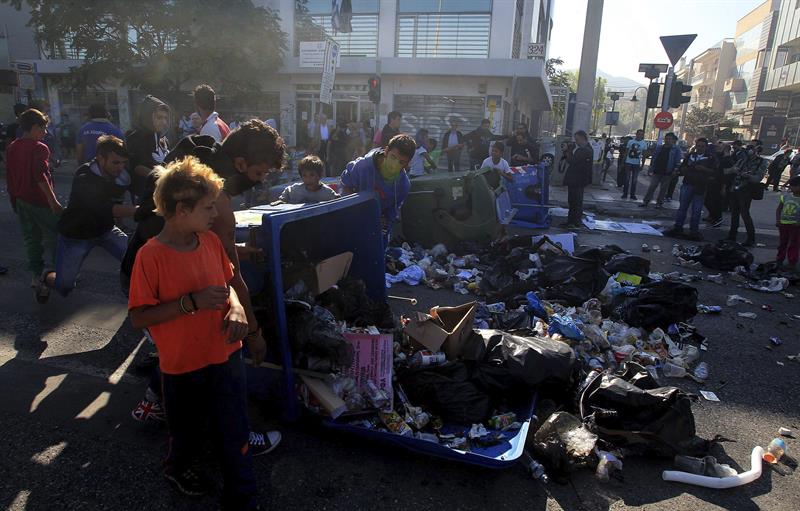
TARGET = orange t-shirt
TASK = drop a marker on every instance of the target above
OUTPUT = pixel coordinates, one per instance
(162, 274)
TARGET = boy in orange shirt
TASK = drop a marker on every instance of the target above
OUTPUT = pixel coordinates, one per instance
(180, 290)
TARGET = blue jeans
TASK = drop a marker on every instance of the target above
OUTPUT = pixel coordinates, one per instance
(631, 178)
(211, 403)
(71, 252)
(689, 199)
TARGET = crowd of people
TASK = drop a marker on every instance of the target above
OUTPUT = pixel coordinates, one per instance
(719, 177)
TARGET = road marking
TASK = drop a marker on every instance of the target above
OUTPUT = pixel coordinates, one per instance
(50, 384)
(117, 375)
(48, 455)
(95, 406)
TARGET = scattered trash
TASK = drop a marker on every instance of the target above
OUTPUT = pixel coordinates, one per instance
(412, 276)
(786, 432)
(534, 468)
(645, 247)
(767, 307)
(706, 466)
(709, 396)
(773, 285)
(776, 341)
(775, 450)
(701, 371)
(717, 279)
(720, 482)
(708, 309)
(735, 299)
(608, 466)
(747, 315)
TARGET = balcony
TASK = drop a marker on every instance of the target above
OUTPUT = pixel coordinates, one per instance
(734, 85)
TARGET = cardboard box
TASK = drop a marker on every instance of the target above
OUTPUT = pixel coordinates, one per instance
(322, 276)
(373, 360)
(444, 329)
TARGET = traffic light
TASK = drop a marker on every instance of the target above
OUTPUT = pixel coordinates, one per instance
(374, 84)
(652, 95)
(676, 95)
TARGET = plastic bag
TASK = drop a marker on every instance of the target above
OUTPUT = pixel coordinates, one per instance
(563, 444)
(446, 391)
(535, 306)
(412, 276)
(657, 304)
(566, 326)
(573, 279)
(627, 263)
(725, 255)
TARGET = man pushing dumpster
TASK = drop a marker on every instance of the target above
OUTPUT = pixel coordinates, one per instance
(382, 171)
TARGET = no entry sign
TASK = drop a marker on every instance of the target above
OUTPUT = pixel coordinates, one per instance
(662, 120)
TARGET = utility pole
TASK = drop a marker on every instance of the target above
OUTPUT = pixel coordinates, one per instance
(588, 69)
(674, 46)
(665, 100)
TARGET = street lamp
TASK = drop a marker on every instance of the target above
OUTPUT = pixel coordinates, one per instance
(634, 99)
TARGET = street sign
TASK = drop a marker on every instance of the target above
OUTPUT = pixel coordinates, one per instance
(536, 50)
(328, 72)
(653, 71)
(25, 81)
(676, 45)
(662, 120)
(312, 54)
(612, 118)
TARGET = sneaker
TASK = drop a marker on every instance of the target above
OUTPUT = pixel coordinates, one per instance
(261, 443)
(147, 409)
(42, 291)
(716, 223)
(188, 481)
(633, 197)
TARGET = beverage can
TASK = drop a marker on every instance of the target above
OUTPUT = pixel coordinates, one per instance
(425, 358)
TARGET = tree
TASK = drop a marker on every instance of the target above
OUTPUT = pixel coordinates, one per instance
(555, 76)
(599, 106)
(702, 122)
(161, 45)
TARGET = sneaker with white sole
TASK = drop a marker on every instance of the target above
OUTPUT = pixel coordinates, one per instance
(42, 291)
(262, 443)
(149, 410)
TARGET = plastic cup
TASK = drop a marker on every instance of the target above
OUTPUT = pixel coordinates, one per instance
(774, 451)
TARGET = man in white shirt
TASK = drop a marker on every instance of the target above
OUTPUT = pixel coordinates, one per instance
(496, 160)
(205, 100)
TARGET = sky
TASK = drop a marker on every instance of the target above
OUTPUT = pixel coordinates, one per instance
(631, 30)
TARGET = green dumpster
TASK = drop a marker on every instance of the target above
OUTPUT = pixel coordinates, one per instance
(452, 207)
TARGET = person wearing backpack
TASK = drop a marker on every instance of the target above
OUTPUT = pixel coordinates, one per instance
(748, 173)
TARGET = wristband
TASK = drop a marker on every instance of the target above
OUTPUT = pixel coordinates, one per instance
(194, 303)
(183, 308)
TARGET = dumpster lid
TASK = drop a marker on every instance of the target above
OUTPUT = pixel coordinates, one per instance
(505, 213)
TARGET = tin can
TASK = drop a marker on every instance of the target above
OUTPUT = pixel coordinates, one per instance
(426, 358)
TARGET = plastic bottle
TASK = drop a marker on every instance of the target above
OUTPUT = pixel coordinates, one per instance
(673, 370)
(535, 469)
(496, 308)
(701, 371)
(775, 450)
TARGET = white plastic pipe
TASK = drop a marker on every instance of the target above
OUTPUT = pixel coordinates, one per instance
(720, 483)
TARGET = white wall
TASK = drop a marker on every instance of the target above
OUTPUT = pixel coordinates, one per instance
(387, 27)
(502, 29)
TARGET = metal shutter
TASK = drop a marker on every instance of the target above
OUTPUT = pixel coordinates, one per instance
(435, 112)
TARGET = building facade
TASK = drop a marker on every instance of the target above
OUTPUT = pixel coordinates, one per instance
(783, 73)
(439, 60)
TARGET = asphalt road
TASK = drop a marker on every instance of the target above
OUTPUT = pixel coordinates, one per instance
(69, 378)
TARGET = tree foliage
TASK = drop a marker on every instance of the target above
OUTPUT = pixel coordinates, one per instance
(161, 45)
(700, 122)
(557, 77)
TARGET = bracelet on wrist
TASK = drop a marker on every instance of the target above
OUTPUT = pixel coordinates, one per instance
(183, 307)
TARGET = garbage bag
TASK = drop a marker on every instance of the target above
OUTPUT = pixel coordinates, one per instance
(523, 359)
(630, 410)
(446, 391)
(725, 255)
(628, 263)
(348, 301)
(535, 306)
(602, 253)
(573, 279)
(316, 342)
(566, 326)
(563, 444)
(656, 304)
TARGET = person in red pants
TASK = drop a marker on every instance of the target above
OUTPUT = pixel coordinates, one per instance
(787, 218)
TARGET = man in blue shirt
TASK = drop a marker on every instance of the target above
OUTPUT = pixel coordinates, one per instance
(382, 171)
(97, 126)
(666, 159)
(633, 164)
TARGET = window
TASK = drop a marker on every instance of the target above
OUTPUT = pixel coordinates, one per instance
(780, 57)
(313, 22)
(443, 28)
(749, 41)
(517, 30)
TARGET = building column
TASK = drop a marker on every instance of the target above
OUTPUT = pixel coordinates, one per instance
(387, 27)
(588, 69)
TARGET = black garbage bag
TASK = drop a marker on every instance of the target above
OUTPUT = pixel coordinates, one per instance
(316, 342)
(765, 271)
(446, 391)
(523, 360)
(348, 301)
(603, 253)
(563, 444)
(572, 279)
(628, 263)
(725, 255)
(642, 416)
(657, 304)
